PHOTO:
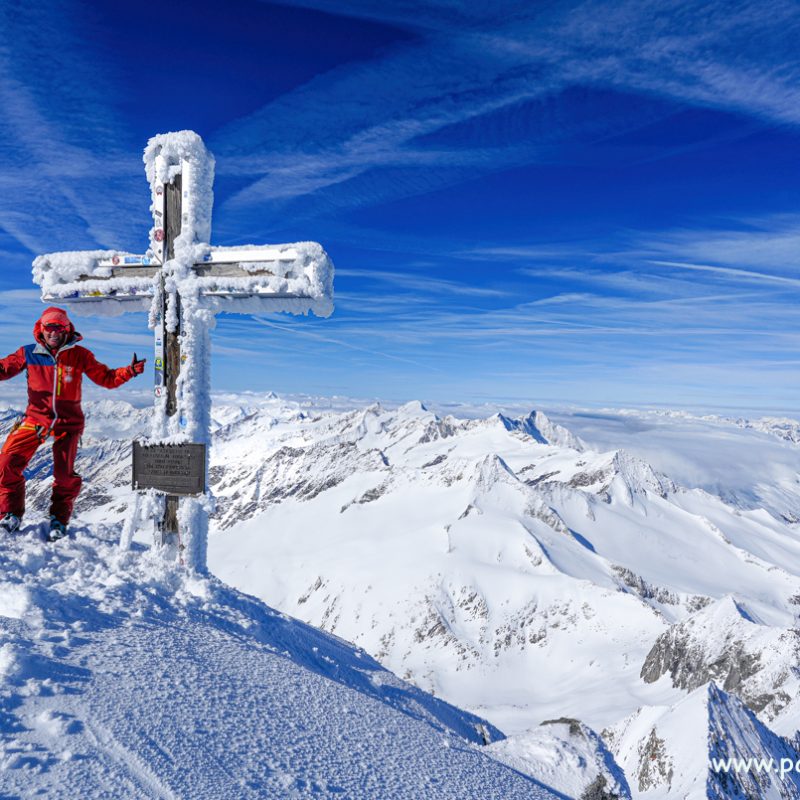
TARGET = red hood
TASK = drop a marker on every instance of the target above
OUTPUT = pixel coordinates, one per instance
(54, 314)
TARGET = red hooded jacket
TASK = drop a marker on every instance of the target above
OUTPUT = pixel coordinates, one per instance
(54, 380)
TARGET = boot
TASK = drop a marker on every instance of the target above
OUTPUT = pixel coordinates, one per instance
(58, 530)
(10, 523)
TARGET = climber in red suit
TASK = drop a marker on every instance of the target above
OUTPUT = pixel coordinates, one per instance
(56, 364)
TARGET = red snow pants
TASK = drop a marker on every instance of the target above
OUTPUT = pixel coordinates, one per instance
(17, 452)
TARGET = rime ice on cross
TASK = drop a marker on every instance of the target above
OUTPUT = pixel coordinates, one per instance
(183, 282)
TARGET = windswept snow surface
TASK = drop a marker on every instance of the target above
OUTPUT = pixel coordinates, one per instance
(122, 676)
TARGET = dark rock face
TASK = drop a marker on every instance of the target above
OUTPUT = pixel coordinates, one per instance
(645, 590)
(691, 664)
(597, 790)
(688, 664)
(655, 763)
(541, 478)
(582, 479)
(574, 724)
(301, 473)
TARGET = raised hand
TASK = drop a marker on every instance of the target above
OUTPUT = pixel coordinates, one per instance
(137, 365)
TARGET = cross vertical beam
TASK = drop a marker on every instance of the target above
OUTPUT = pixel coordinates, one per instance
(172, 342)
(171, 337)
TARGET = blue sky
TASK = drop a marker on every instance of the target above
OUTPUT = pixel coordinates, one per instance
(589, 203)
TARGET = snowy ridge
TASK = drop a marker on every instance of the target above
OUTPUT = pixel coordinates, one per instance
(668, 752)
(705, 452)
(567, 756)
(123, 676)
(782, 427)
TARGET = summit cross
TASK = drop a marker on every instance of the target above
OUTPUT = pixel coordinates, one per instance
(183, 281)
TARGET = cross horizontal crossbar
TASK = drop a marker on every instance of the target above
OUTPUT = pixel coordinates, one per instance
(97, 297)
(299, 273)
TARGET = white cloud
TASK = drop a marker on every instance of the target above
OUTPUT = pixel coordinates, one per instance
(468, 63)
(728, 272)
(422, 283)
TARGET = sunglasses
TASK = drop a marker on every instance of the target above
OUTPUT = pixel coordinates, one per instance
(55, 327)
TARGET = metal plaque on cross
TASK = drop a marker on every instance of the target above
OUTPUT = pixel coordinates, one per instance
(177, 469)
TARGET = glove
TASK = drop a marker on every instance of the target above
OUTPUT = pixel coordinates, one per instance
(137, 366)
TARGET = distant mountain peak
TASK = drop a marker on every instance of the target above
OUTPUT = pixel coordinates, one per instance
(413, 407)
(638, 477)
(541, 429)
(491, 469)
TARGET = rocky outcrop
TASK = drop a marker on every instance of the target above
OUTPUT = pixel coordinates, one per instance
(720, 643)
(690, 750)
(568, 756)
(655, 764)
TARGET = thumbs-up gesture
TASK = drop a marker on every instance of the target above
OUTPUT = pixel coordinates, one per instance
(137, 365)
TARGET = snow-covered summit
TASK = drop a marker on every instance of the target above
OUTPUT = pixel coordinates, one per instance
(540, 428)
(122, 676)
(637, 477)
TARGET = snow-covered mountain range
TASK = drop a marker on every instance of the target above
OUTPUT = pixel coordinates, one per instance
(590, 571)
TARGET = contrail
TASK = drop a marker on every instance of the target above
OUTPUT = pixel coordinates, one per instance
(739, 273)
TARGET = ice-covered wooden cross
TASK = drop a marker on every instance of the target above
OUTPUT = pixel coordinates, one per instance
(183, 282)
